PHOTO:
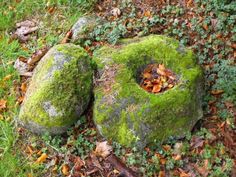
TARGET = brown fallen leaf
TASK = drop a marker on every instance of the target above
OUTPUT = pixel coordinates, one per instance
(217, 92)
(95, 161)
(37, 55)
(42, 158)
(103, 149)
(161, 174)
(196, 142)
(67, 37)
(23, 87)
(65, 170)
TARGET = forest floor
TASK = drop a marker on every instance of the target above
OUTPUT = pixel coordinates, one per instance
(207, 26)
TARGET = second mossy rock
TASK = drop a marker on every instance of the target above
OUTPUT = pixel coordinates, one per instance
(128, 114)
(59, 91)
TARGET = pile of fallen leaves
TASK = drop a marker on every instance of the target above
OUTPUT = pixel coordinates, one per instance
(156, 78)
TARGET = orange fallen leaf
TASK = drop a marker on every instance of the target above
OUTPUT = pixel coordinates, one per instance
(30, 150)
(177, 157)
(65, 169)
(217, 92)
(161, 174)
(147, 14)
(42, 158)
(20, 99)
(189, 3)
(23, 87)
(233, 45)
(156, 88)
(3, 104)
(166, 147)
(163, 161)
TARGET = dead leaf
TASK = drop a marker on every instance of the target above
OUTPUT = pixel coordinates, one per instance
(156, 88)
(103, 149)
(65, 170)
(67, 38)
(196, 142)
(161, 174)
(42, 158)
(23, 87)
(205, 27)
(8, 77)
(217, 92)
(95, 161)
(3, 104)
(147, 14)
(37, 55)
(177, 157)
(116, 12)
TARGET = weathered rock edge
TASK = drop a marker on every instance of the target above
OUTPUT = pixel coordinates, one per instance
(59, 91)
(126, 113)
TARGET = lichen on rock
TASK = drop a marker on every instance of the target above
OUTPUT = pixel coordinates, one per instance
(126, 113)
(59, 91)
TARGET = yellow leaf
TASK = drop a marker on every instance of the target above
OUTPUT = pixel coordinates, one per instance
(8, 77)
(42, 158)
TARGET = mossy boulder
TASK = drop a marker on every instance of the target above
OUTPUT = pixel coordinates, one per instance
(128, 114)
(59, 91)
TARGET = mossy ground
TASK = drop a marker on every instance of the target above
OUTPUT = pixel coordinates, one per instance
(135, 113)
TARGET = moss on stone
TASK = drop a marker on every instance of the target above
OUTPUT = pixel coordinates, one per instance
(60, 89)
(171, 113)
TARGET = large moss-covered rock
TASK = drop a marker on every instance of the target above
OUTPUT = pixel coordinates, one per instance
(126, 113)
(59, 91)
